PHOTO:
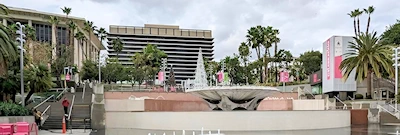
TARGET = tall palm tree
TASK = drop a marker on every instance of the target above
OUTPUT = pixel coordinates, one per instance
(118, 46)
(266, 40)
(353, 15)
(244, 53)
(358, 13)
(67, 11)
(89, 28)
(80, 37)
(72, 27)
(54, 22)
(367, 56)
(101, 33)
(369, 11)
(254, 37)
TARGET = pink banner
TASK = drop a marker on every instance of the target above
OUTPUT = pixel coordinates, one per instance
(315, 78)
(328, 60)
(284, 77)
(338, 72)
(160, 76)
(220, 76)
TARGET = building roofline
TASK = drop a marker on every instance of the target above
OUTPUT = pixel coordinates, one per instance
(44, 13)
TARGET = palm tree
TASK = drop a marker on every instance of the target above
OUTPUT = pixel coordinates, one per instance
(101, 33)
(358, 13)
(369, 11)
(38, 78)
(80, 37)
(244, 53)
(8, 50)
(118, 46)
(89, 28)
(67, 11)
(353, 15)
(366, 56)
(254, 38)
(54, 22)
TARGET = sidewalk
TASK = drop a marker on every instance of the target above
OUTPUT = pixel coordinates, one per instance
(59, 132)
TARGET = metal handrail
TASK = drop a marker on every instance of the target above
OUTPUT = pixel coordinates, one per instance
(380, 107)
(45, 110)
(43, 101)
(344, 105)
(58, 96)
(351, 98)
(70, 108)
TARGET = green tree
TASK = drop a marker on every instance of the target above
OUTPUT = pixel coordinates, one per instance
(353, 15)
(392, 34)
(90, 29)
(8, 49)
(140, 67)
(244, 53)
(81, 37)
(4, 9)
(64, 60)
(366, 56)
(117, 46)
(358, 13)
(89, 70)
(311, 61)
(38, 78)
(67, 11)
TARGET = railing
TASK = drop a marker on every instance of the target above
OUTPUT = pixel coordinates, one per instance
(61, 94)
(43, 101)
(352, 99)
(83, 92)
(344, 105)
(202, 132)
(70, 112)
(45, 110)
(391, 113)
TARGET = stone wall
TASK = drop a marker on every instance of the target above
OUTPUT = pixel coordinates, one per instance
(14, 119)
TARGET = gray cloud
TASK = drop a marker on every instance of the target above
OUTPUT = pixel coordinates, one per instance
(303, 24)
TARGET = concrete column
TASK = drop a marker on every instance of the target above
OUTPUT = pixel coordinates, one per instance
(4, 22)
(30, 23)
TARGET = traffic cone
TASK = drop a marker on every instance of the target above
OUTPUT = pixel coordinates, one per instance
(64, 127)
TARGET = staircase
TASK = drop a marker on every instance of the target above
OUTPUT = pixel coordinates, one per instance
(81, 111)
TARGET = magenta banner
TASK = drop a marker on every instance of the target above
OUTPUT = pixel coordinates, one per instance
(160, 76)
(284, 77)
(328, 60)
(338, 72)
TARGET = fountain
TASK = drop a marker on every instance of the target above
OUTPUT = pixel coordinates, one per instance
(227, 98)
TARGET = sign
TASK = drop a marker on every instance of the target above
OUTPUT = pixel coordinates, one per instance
(220, 76)
(67, 77)
(328, 60)
(161, 76)
(284, 77)
(62, 77)
(338, 57)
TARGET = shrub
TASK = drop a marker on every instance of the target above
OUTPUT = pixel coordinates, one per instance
(12, 109)
(358, 96)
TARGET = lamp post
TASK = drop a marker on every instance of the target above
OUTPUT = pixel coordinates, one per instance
(21, 40)
(164, 66)
(396, 69)
(99, 68)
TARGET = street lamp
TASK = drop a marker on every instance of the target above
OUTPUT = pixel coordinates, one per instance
(21, 40)
(164, 66)
(396, 69)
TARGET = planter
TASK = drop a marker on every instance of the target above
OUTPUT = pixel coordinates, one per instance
(14, 119)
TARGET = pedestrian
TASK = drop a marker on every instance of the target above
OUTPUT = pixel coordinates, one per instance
(65, 103)
(38, 118)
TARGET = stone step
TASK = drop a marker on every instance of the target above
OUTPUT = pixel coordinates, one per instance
(385, 118)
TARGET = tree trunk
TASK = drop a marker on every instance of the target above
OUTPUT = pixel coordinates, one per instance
(30, 93)
(369, 20)
(358, 25)
(369, 85)
(53, 41)
(355, 27)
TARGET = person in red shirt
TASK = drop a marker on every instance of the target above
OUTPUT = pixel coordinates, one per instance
(65, 103)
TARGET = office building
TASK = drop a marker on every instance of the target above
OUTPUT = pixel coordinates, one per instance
(40, 22)
(181, 45)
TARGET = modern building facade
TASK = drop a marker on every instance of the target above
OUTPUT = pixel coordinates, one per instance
(333, 54)
(40, 22)
(181, 45)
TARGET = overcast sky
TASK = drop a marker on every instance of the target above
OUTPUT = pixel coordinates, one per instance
(303, 24)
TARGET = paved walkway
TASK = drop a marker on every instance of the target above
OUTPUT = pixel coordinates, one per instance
(58, 132)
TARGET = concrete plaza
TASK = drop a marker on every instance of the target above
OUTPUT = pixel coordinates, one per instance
(59, 132)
